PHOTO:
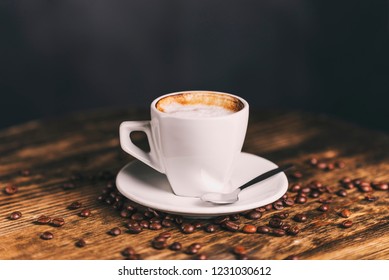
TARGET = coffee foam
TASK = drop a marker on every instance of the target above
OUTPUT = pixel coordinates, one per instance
(196, 110)
(199, 104)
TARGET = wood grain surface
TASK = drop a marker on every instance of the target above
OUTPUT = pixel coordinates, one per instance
(56, 162)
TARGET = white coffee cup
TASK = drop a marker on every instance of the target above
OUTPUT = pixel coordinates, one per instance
(195, 148)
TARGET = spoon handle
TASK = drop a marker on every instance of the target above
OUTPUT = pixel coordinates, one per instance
(266, 175)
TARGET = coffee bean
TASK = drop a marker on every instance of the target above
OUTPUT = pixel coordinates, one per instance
(365, 187)
(80, 243)
(305, 190)
(210, 228)
(47, 235)
(275, 222)
(133, 257)
(281, 216)
(345, 180)
(144, 224)
(42, 220)
(198, 225)
(278, 205)
(160, 238)
(201, 257)
(342, 193)
(159, 244)
(315, 194)
(285, 226)
(381, 186)
(221, 219)
(193, 248)
(239, 250)
(340, 164)
(242, 257)
(249, 229)
(155, 220)
(254, 215)
(132, 222)
(300, 199)
(115, 231)
(196, 245)
(297, 175)
(288, 202)
(321, 165)
(10, 189)
(128, 251)
(15, 215)
(187, 228)
(295, 187)
(349, 186)
(175, 246)
(167, 223)
(137, 217)
(294, 230)
(313, 161)
(178, 220)
(264, 229)
(231, 226)
(278, 232)
(292, 257)
(324, 207)
(347, 223)
(300, 217)
(370, 198)
(134, 228)
(330, 166)
(85, 213)
(155, 226)
(235, 217)
(165, 234)
(75, 205)
(57, 222)
(345, 213)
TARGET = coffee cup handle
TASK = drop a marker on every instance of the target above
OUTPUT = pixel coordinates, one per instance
(151, 158)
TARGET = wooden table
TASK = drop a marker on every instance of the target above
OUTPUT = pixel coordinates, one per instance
(56, 162)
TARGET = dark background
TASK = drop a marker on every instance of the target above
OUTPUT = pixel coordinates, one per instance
(64, 56)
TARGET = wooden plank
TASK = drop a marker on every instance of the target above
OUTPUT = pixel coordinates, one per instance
(87, 144)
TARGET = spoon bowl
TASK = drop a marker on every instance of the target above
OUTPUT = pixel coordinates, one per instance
(228, 198)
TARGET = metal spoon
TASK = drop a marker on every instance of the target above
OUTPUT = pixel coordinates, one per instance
(227, 198)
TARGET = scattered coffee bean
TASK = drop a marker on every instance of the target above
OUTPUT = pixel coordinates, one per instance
(133, 257)
(347, 223)
(165, 234)
(281, 216)
(15, 215)
(345, 180)
(340, 164)
(144, 224)
(278, 232)
(292, 257)
(285, 226)
(85, 213)
(371, 198)
(365, 187)
(253, 215)
(268, 207)
(342, 193)
(330, 166)
(198, 225)
(321, 165)
(80, 243)
(137, 217)
(315, 194)
(294, 230)
(42, 220)
(201, 257)
(305, 190)
(193, 248)
(313, 161)
(324, 207)
(221, 219)
(345, 213)
(300, 217)
(159, 244)
(155, 226)
(210, 228)
(264, 229)
(178, 220)
(296, 175)
(115, 231)
(167, 223)
(10, 189)
(132, 222)
(128, 251)
(47, 235)
(57, 222)
(175, 246)
(249, 229)
(134, 228)
(187, 228)
(75, 205)
(239, 250)
(275, 222)
(278, 205)
(381, 186)
(236, 217)
(349, 186)
(155, 220)
(295, 187)
(288, 202)
(231, 226)
(301, 199)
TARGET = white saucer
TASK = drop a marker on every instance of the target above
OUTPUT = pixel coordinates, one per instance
(142, 184)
